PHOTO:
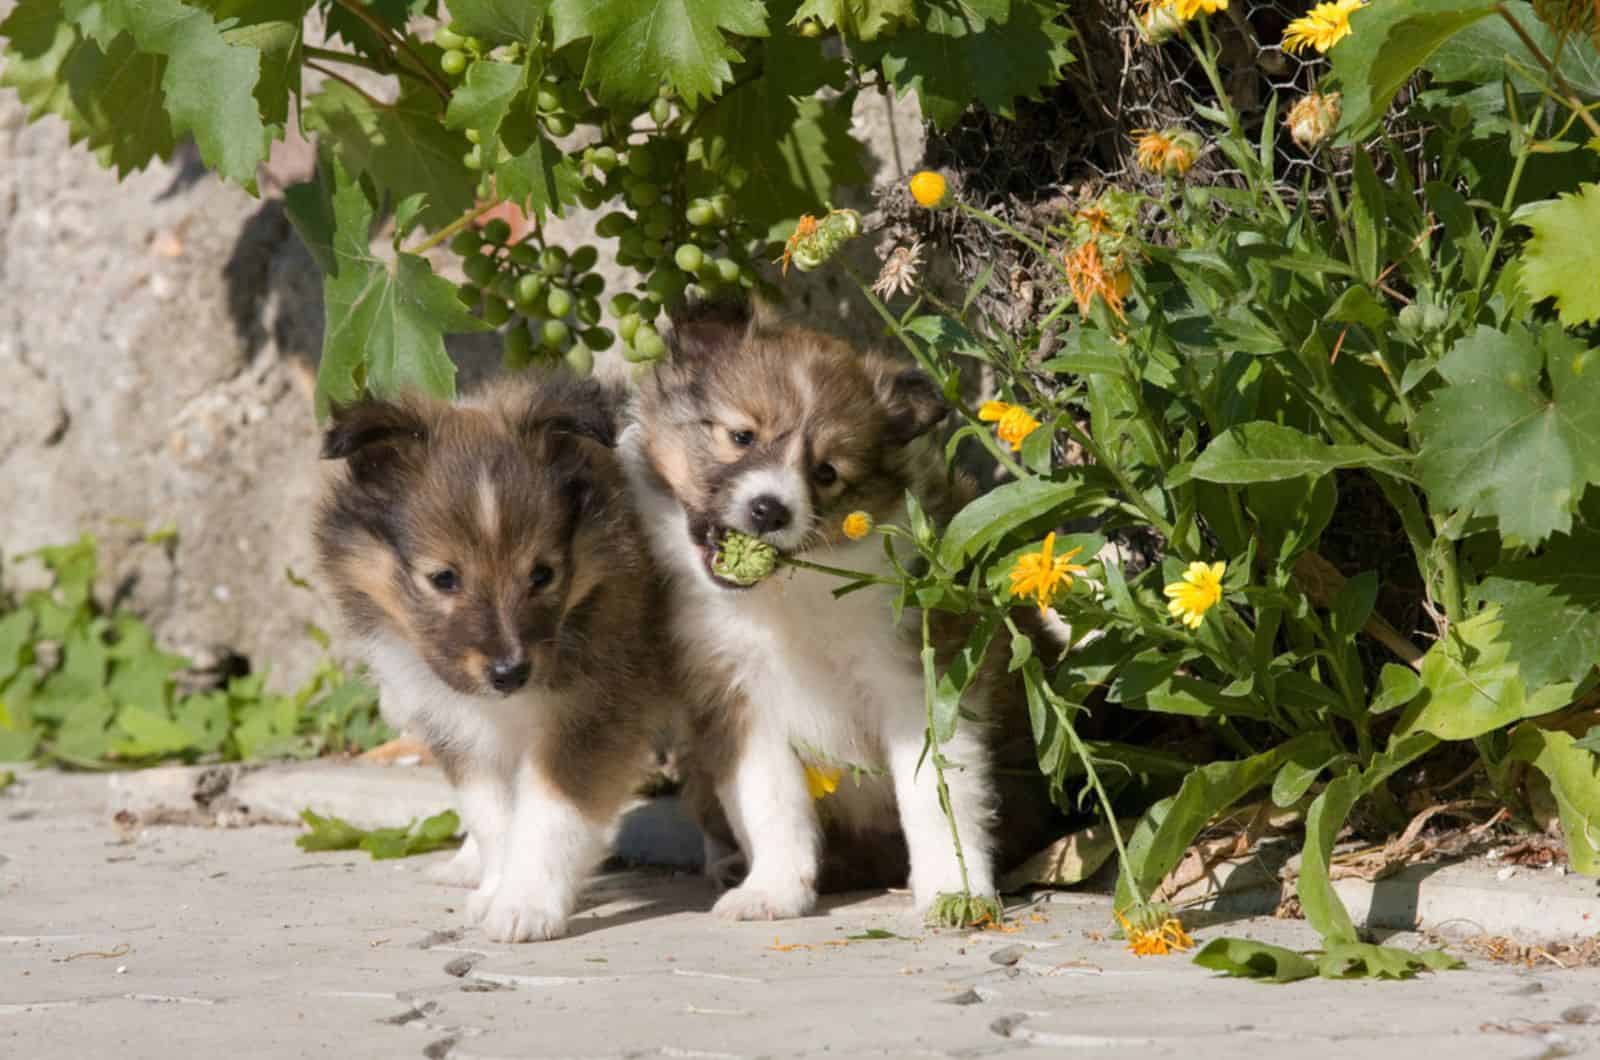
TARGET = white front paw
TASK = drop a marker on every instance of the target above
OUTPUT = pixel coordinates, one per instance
(480, 900)
(765, 903)
(463, 870)
(511, 919)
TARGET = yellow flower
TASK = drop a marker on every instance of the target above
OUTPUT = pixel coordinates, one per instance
(857, 525)
(930, 190)
(1039, 574)
(1322, 27)
(1013, 422)
(1188, 9)
(1198, 592)
(822, 781)
(1152, 938)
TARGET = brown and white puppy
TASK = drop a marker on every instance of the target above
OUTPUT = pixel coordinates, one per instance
(780, 432)
(486, 559)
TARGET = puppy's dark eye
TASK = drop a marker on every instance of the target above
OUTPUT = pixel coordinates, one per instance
(743, 439)
(825, 474)
(446, 581)
(540, 577)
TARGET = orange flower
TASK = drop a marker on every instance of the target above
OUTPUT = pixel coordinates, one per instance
(1088, 277)
(805, 228)
(1149, 938)
(1013, 423)
(1039, 574)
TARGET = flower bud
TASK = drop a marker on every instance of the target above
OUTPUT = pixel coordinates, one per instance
(1157, 23)
(744, 560)
(1313, 118)
(930, 189)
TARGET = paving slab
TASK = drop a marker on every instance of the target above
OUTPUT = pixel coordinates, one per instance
(166, 940)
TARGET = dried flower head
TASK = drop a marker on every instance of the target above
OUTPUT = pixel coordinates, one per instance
(899, 272)
(1154, 932)
(1313, 118)
(1171, 151)
(1156, 22)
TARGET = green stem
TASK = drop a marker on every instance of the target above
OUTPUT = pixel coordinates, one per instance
(351, 85)
(453, 227)
(928, 686)
(1523, 153)
(1207, 55)
(397, 41)
(838, 572)
(1571, 99)
(1064, 716)
(984, 215)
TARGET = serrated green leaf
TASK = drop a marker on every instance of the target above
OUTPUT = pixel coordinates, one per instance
(1574, 775)
(1562, 259)
(1270, 452)
(1388, 42)
(1498, 442)
(149, 734)
(500, 21)
(1249, 959)
(538, 176)
(403, 148)
(1366, 960)
(1472, 686)
(1550, 607)
(327, 833)
(386, 321)
(635, 45)
(990, 52)
(483, 99)
(858, 19)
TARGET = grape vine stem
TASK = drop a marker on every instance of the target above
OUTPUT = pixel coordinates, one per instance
(454, 226)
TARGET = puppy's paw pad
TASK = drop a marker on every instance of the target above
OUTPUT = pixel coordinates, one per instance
(753, 903)
(522, 922)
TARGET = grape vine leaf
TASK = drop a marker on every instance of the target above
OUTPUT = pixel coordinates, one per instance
(1498, 442)
(782, 150)
(276, 29)
(403, 148)
(482, 101)
(635, 45)
(990, 52)
(1473, 686)
(1574, 775)
(500, 21)
(208, 85)
(538, 176)
(1562, 259)
(1550, 604)
(358, 32)
(858, 19)
(386, 321)
(110, 97)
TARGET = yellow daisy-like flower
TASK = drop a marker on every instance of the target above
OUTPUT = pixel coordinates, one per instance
(930, 189)
(1198, 592)
(1322, 27)
(1013, 423)
(857, 525)
(1155, 939)
(822, 781)
(1188, 9)
(1039, 574)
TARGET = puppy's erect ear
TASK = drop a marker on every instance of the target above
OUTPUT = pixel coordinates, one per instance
(912, 400)
(706, 330)
(374, 437)
(581, 408)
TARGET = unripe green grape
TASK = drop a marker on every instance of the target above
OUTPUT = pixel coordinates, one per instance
(552, 261)
(495, 312)
(626, 260)
(631, 355)
(516, 348)
(497, 230)
(645, 194)
(468, 294)
(465, 243)
(545, 101)
(653, 248)
(627, 324)
(529, 287)
(479, 269)
(448, 39)
(474, 45)
(485, 190)
(558, 302)
(727, 270)
(473, 159)
(559, 124)
(604, 158)
(554, 334)
(525, 255)
(588, 311)
(667, 284)
(700, 214)
(660, 111)
(584, 258)
(631, 243)
(664, 91)
(453, 62)
(591, 285)
(474, 136)
(613, 224)
(722, 206)
(579, 360)
(598, 338)
(656, 230)
(689, 257)
(505, 285)
(590, 196)
(641, 163)
(649, 344)
(624, 303)
(811, 29)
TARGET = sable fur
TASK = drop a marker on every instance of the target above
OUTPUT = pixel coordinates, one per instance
(517, 495)
(747, 409)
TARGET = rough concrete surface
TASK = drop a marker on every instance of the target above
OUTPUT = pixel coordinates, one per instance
(168, 941)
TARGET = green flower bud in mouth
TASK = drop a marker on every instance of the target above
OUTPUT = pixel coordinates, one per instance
(744, 560)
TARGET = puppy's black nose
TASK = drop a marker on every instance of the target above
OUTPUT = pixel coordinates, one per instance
(768, 514)
(508, 675)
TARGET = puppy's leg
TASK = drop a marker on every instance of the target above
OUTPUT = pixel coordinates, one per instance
(486, 808)
(934, 867)
(553, 848)
(771, 812)
(465, 869)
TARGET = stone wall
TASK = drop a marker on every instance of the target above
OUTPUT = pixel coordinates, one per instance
(158, 342)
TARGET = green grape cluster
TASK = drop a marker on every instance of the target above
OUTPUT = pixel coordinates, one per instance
(683, 244)
(546, 300)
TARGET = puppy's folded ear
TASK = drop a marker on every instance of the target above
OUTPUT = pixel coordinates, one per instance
(581, 408)
(705, 330)
(375, 438)
(913, 402)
